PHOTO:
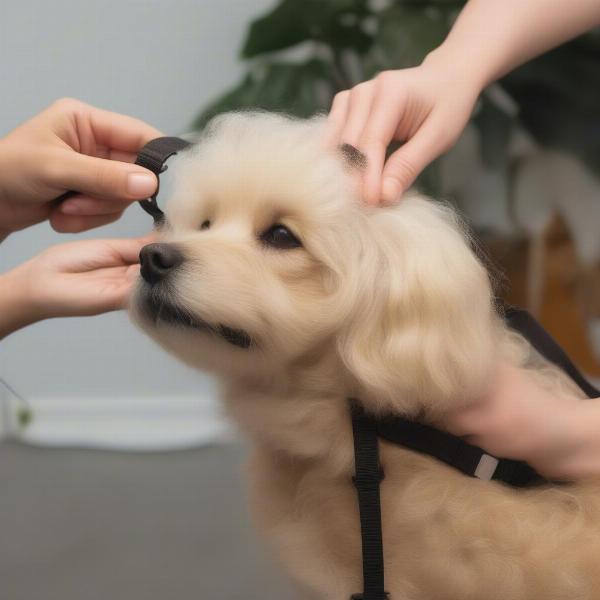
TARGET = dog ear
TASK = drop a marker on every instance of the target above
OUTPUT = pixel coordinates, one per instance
(420, 332)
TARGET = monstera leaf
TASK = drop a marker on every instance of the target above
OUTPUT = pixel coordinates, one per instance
(405, 35)
(300, 89)
(333, 22)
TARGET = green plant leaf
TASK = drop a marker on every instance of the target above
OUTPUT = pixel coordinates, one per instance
(559, 98)
(299, 89)
(294, 21)
(405, 35)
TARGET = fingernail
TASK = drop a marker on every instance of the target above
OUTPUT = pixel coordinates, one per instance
(141, 185)
(391, 190)
(71, 208)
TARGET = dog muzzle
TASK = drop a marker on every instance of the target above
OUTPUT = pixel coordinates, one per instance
(153, 156)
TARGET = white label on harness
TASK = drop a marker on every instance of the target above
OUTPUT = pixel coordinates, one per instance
(486, 467)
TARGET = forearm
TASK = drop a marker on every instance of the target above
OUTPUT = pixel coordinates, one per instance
(16, 310)
(492, 37)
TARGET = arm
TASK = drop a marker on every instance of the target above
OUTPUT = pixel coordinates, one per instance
(77, 279)
(522, 418)
(428, 107)
(492, 37)
(15, 312)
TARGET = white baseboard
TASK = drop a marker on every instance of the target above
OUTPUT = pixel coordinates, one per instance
(132, 424)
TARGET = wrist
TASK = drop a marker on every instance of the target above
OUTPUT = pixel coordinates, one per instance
(581, 458)
(568, 448)
(17, 309)
(458, 64)
(5, 168)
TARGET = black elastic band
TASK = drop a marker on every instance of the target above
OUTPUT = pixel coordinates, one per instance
(153, 157)
(367, 477)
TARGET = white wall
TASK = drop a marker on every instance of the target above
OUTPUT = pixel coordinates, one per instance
(159, 60)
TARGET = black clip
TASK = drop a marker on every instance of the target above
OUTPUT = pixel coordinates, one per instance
(153, 157)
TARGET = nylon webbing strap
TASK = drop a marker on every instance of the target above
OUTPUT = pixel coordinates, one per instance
(452, 450)
(367, 477)
(521, 321)
(153, 157)
(441, 445)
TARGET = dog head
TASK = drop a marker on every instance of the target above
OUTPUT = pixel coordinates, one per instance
(269, 259)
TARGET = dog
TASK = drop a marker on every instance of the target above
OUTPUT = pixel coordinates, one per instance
(272, 274)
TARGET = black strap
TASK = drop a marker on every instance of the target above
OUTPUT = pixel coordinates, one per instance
(153, 157)
(367, 477)
(452, 450)
(445, 447)
(520, 320)
(463, 456)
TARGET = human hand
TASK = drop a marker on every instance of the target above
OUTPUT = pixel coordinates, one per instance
(72, 146)
(523, 419)
(426, 108)
(76, 279)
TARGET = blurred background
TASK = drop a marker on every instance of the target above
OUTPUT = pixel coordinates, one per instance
(118, 476)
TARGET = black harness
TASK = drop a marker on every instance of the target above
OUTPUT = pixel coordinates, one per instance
(449, 449)
(419, 437)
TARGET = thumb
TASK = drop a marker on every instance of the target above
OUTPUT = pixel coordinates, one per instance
(405, 165)
(105, 178)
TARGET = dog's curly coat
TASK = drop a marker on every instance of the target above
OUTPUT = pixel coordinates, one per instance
(389, 305)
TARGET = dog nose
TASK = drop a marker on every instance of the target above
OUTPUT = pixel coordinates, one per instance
(158, 260)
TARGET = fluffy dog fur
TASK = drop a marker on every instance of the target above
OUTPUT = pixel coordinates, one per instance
(389, 305)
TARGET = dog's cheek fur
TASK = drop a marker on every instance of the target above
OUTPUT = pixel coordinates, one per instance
(275, 296)
(422, 330)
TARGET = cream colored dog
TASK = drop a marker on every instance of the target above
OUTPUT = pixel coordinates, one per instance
(272, 274)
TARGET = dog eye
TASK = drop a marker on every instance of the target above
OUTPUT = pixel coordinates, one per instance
(280, 237)
(205, 225)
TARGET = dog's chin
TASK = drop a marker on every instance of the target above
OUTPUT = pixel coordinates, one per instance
(158, 309)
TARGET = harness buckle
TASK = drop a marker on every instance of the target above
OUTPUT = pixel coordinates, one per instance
(486, 467)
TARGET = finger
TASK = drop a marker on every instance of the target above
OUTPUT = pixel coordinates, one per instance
(127, 250)
(463, 422)
(337, 118)
(77, 223)
(359, 108)
(120, 132)
(149, 238)
(376, 137)
(114, 286)
(403, 167)
(132, 273)
(102, 178)
(86, 205)
(112, 154)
